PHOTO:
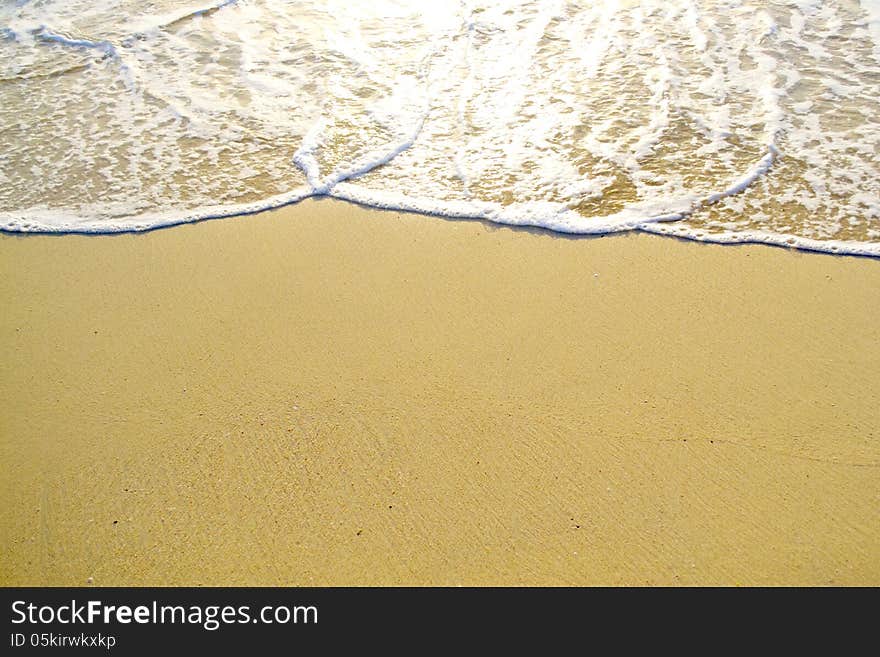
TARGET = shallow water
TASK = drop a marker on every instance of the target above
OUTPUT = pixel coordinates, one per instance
(720, 120)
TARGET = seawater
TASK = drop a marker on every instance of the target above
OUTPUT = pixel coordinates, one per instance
(721, 120)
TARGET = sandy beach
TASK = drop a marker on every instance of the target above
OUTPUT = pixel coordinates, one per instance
(331, 395)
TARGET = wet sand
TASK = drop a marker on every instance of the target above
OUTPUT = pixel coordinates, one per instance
(326, 394)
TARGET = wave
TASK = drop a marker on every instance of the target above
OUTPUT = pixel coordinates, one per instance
(727, 122)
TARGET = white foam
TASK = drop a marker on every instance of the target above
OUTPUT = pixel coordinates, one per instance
(44, 220)
(872, 22)
(727, 121)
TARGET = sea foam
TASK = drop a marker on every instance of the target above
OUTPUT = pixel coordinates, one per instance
(722, 121)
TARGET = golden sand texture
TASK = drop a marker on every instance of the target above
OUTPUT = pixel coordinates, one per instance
(326, 394)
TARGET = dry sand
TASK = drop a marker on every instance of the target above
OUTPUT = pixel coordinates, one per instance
(331, 395)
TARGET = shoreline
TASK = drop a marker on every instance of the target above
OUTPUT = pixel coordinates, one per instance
(334, 395)
(662, 227)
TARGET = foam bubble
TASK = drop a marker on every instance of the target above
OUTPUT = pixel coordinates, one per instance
(725, 121)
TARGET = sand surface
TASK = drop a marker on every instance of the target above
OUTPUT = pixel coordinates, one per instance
(332, 395)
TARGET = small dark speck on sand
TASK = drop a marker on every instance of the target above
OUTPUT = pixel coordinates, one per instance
(115, 522)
